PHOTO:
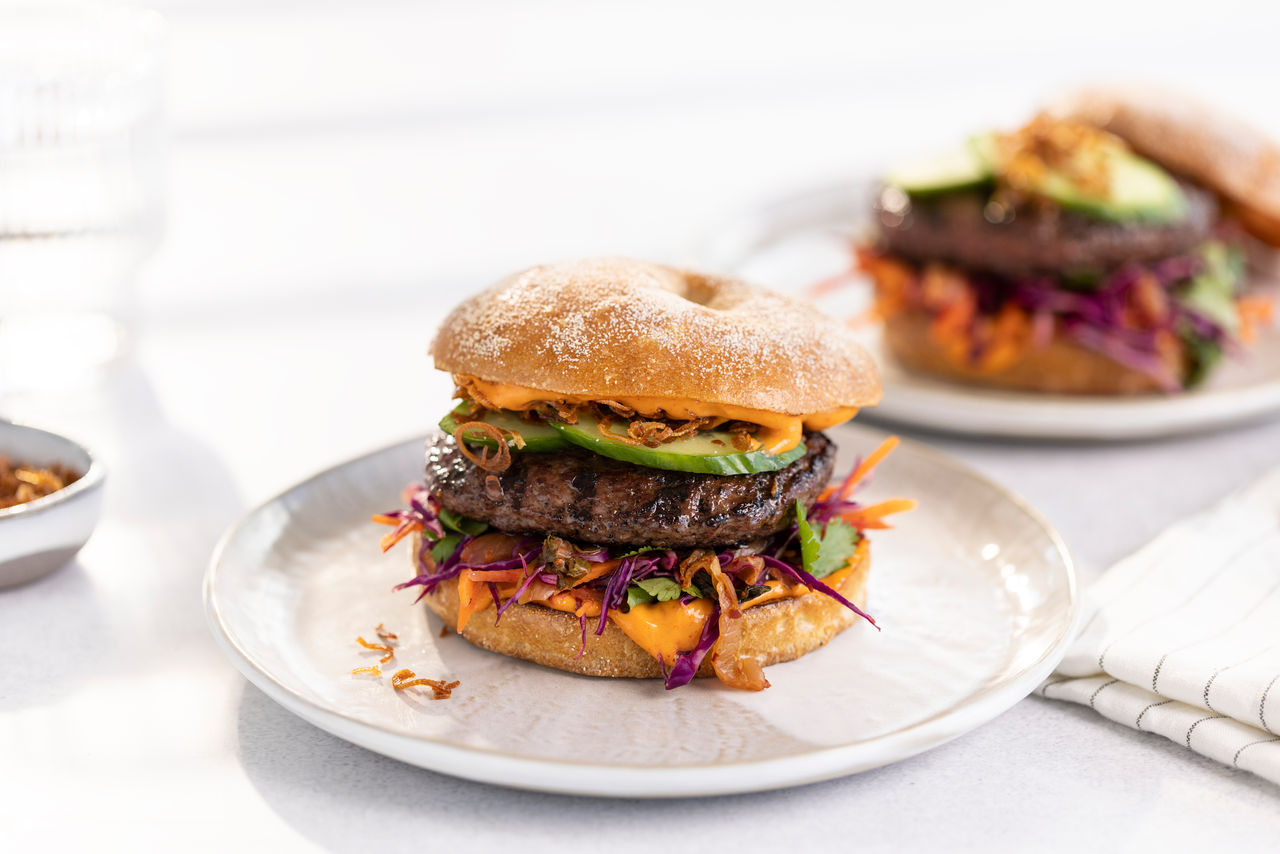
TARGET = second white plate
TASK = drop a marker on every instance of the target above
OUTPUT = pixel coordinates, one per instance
(804, 239)
(974, 591)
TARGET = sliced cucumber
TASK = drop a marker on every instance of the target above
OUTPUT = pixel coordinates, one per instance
(1138, 191)
(963, 169)
(982, 147)
(706, 453)
(538, 436)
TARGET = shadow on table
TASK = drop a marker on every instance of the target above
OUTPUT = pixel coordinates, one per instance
(175, 488)
(167, 498)
(55, 618)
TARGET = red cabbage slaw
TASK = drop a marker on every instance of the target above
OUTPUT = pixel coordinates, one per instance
(1098, 316)
(780, 556)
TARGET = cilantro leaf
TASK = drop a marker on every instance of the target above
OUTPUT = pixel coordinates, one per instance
(661, 589)
(637, 596)
(839, 541)
(445, 547)
(462, 524)
(824, 553)
(639, 551)
(810, 542)
(646, 591)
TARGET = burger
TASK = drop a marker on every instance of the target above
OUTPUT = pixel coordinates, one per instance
(634, 482)
(1096, 250)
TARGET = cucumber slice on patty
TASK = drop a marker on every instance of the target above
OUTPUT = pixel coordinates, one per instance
(1138, 191)
(710, 452)
(962, 169)
(537, 435)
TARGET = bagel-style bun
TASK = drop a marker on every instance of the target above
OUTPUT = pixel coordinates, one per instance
(613, 327)
(1227, 155)
(1061, 367)
(777, 631)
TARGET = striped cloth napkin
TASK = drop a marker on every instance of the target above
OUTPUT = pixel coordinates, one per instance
(1183, 638)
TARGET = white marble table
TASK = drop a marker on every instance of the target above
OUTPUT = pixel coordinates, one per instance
(319, 225)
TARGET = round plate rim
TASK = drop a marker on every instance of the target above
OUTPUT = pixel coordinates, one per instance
(648, 781)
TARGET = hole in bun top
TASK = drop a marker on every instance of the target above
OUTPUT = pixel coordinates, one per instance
(613, 326)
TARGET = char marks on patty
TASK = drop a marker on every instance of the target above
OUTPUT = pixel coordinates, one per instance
(577, 494)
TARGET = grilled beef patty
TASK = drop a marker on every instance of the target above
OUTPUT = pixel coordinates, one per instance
(586, 497)
(954, 228)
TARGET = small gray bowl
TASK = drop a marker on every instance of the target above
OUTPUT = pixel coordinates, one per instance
(41, 535)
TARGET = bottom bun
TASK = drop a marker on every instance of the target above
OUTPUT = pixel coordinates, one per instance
(778, 631)
(1062, 367)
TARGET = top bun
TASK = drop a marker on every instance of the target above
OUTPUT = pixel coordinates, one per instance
(614, 327)
(1225, 154)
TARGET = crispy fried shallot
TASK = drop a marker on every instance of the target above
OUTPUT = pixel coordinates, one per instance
(467, 390)
(619, 409)
(385, 635)
(605, 426)
(495, 462)
(650, 431)
(389, 653)
(476, 416)
(372, 670)
(440, 689)
(20, 483)
(1081, 152)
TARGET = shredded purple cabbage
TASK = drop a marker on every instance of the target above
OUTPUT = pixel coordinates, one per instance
(448, 568)
(1095, 317)
(633, 567)
(423, 509)
(687, 663)
(814, 584)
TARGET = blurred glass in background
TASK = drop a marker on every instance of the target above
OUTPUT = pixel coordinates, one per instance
(81, 184)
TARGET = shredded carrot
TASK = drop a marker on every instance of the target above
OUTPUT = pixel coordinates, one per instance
(372, 669)
(892, 280)
(406, 528)
(471, 597)
(1005, 338)
(829, 284)
(580, 602)
(951, 329)
(495, 576)
(387, 636)
(378, 647)
(384, 519)
(1254, 311)
(440, 689)
(873, 516)
(864, 468)
(604, 567)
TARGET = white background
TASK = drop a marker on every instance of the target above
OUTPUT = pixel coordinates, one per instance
(340, 174)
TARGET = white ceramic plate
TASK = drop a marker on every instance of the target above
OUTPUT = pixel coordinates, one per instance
(975, 593)
(798, 241)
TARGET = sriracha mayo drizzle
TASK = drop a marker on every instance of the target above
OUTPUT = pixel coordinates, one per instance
(779, 432)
